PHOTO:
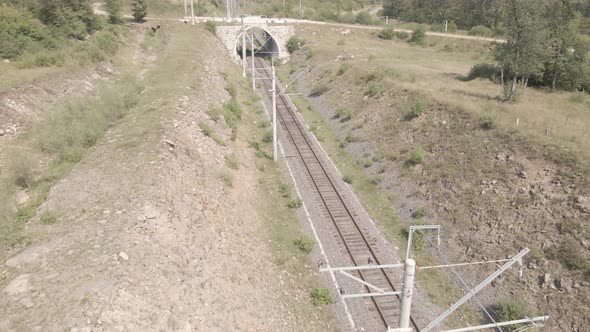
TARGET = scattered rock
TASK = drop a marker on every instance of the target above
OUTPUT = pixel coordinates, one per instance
(6, 61)
(522, 174)
(124, 256)
(169, 142)
(1, 132)
(18, 285)
(545, 279)
(151, 212)
(27, 302)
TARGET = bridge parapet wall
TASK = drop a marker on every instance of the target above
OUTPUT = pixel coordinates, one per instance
(229, 34)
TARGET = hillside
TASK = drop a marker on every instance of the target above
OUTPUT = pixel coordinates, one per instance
(401, 121)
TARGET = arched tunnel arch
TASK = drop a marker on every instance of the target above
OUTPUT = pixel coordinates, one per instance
(265, 45)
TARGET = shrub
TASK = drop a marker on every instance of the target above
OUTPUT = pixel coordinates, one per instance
(375, 89)
(210, 26)
(417, 156)
(106, 41)
(319, 89)
(350, 137)
(452, 27)
(232, 90)
(363, 18)
(139, 10)
(267, 138)
(508, 310)
(113, 8)
(483, 70)
(347, 179)
(294, 44)
(321, 296)
(387, 33)
(343, 68)
(416, 110)
(284, 190)
(304, 244)
(419, 213)
(295, 203)
(488, 122)
(232, 161)
(402, 35)
(418, 35)
(366, 163)
(205, 129)
(226, 177)
(480, 30)
(48, 218)
(347, 18)
(21, 32)
(570, 255)
(344, 114)
(20, 169)
(40, 59)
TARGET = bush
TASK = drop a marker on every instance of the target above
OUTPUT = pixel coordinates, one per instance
(418, 35)
(452, 27)
(232, 161)
(284, 190)
(483, 70)
(267, 138)
(139, 10)
(210, 26)
(350, 137)
(374, 89)
(40, 59)
(363, 18)
(480, 30)
(20, 32)
(304, 244)
(387, 33)
(419, 213)
(295, 203)
(508, 310)
(106, 41)
(344, 114)
(294, 44)
(402, 35)
(343, 68)
(416, 111)
(417, 157)
(319, 89)
(347, 179)
(488, 122)
(19, 169)
(570, 255)
(321, 296)
(48, 218)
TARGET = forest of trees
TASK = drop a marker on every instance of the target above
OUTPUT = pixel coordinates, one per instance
(40, 33)
(544, 42)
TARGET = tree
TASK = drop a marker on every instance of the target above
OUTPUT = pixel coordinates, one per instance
(521, 57)
(113, 8)
(139, 10)
(562, 32)
(73, 18)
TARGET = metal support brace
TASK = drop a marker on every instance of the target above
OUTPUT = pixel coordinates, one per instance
(420, 227)
(380, 290)
(475, 290)
(512, 322)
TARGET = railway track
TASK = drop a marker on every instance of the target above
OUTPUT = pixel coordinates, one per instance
(356, 243)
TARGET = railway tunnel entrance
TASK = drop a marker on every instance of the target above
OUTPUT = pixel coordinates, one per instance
(264, 46)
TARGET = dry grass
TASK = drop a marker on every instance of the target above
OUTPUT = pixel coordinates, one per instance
(436, 70)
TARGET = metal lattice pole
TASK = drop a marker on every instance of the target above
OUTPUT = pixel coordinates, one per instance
(274, 115)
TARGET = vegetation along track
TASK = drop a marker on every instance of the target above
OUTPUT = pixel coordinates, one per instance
(359, 248)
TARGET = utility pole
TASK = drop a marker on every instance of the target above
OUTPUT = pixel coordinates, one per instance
(192, 12)
(253, 68)
(446, 25)
(185, 9)
(244, 48)
(227, 7)
(274, 114)
(406, 299)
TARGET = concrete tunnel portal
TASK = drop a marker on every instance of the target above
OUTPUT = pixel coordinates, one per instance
(265, 45)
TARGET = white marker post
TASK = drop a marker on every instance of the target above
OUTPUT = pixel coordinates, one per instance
(274, 115)
(244, 59)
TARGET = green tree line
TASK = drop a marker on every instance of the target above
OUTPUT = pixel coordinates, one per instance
(544, 44)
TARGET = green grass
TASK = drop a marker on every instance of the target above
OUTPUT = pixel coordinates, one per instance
(209, 132)
(226, 177)
(304, 244)
(48, 218)
(232, 161)
(295, 203)
(321, 297)
(417, 156)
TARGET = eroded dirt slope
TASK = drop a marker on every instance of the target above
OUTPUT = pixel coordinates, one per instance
(153, 231)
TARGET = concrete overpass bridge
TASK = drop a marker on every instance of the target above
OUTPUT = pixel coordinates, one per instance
(270, 35)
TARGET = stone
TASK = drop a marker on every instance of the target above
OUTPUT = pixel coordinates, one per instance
(545, 279)
(27, 302)
(1, 132)
(22, 197)
(124, 256)
(18, 285)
